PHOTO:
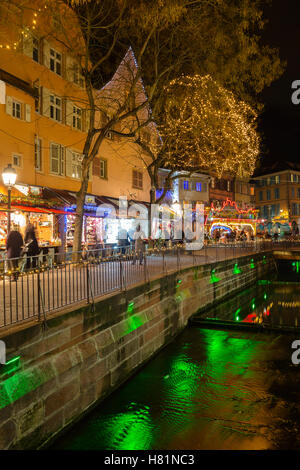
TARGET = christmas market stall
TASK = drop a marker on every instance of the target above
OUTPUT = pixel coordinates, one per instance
(229, 221)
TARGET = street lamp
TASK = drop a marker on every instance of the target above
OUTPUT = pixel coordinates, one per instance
(9, 176)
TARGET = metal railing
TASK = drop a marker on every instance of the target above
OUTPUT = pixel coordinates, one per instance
(31, 287)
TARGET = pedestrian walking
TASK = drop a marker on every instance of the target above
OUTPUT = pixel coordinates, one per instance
(32, 246)
(139, 245)
(14, 243)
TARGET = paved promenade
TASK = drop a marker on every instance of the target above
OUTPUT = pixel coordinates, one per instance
(51, 289)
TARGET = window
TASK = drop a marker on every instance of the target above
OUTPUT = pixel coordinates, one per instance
(77, 77)
(17, 160)
(55, 108)
(268, 194)
(277, 193)
(212, 183)
(37, 99)
(57, 159)
(35, 50)
(103, 169)
(76, 165)
(186, 185)
(55, 61)
(38, 153)
(294, 178)
(251, 190)
(137, 179)
(16, 109)
(198, 186)
(261, 195)
(277, 179)
(298, 193)
(293, 192)
(228, 185)
(77, 118)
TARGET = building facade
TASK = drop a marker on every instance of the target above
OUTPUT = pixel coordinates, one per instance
(44, 116)
(277, 197)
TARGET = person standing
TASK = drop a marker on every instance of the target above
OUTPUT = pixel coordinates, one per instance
(139, 245)
(32, 246)
(14, 243)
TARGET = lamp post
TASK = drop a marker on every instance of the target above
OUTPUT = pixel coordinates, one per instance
(9, 176)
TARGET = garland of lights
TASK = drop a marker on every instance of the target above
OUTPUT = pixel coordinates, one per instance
(206, 126)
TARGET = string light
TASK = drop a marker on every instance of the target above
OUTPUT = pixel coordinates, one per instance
(206, 126)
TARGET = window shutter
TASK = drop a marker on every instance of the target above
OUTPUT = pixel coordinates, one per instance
(46, 102)
(27, 112)
(28, 45)
(9, 105)
(87, 120)
(62, 160)
(69, 68)
(69, 163)
(69, 113)
(46, 54)
(96, 166)
(54, 158)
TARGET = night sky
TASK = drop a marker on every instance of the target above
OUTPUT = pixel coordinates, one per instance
(280, 122)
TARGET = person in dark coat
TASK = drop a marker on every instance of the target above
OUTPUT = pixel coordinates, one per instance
(32, 246)
(14, 243)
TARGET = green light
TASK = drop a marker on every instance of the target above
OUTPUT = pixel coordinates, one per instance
(236, 315)
(264, 260)
(296, 265)
(265, 296)
(213, 277)
(130, 307)
(11, 366)
(179, 281)
(252, 265)
(236, 269)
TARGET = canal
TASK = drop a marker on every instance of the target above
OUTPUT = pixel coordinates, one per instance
(212, 388)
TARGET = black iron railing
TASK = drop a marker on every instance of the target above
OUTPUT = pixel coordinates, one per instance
(31, 287)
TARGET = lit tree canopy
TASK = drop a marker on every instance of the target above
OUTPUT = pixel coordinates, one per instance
(205, 127)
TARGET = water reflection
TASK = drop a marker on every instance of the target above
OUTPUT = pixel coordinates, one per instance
(269, 303)
(210, 389)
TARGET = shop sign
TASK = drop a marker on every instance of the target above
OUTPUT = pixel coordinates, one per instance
(90, 200)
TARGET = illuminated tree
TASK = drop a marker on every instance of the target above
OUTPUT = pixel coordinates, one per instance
(206, 126)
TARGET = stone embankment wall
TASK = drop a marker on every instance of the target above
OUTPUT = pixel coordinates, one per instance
(58, 372)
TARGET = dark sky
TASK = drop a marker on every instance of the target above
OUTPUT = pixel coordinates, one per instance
(280, 123)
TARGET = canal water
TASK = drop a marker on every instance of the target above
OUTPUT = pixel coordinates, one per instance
(210, 388)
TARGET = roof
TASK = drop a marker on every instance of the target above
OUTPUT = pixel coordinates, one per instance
(276, 167)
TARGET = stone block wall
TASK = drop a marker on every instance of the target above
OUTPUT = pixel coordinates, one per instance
(66, 366)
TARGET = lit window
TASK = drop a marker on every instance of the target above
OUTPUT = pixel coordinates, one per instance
(186, 185)
(76, 165)
(198, 187)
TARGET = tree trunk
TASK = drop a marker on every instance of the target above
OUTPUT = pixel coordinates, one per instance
(80, 200)
(152, 201)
